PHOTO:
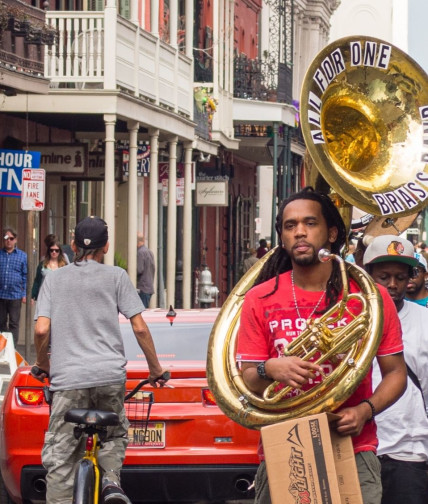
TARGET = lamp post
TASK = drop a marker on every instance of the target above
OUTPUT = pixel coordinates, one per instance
(275, 147)
(419, 221)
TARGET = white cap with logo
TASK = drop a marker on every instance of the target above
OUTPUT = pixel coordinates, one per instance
(390, 248)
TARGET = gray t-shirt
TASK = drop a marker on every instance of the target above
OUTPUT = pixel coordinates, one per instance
(83, 302)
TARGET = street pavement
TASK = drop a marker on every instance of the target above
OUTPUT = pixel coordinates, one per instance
(31, 358)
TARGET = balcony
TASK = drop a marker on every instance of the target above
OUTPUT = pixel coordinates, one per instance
(262, 79)
(22, 34)
(101, 50)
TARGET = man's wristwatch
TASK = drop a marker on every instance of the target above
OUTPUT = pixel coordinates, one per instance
(261, 371)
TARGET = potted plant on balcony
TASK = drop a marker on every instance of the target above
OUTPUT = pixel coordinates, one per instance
(4, 19)
(34, 35)
(18, 21)
(49, 35)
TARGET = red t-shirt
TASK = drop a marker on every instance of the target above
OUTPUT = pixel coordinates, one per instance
(268, 324)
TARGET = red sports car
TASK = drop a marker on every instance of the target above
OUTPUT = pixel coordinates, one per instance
(191, 450)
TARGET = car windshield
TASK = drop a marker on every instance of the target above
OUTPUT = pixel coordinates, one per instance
(181, 341)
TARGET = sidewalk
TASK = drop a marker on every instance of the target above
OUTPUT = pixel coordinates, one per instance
(31, 359)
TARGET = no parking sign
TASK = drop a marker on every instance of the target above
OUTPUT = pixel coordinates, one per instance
(33, 189)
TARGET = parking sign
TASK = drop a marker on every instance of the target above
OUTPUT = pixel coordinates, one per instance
(33, 189)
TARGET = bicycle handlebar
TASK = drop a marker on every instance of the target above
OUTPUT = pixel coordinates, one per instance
(36, 372)
(164, 376)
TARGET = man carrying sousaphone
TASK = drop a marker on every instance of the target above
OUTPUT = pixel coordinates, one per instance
(292, 287)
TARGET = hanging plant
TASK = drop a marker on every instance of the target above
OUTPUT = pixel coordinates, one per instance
(18, 21)
(49, 35)
(205, 102)
(4, 18)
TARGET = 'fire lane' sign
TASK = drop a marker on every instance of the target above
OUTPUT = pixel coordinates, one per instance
(33, 189)
(12, 162)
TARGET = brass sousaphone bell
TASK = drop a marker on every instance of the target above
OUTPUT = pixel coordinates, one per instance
(364, 115)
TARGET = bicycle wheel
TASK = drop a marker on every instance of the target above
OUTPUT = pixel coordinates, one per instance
(84, 483)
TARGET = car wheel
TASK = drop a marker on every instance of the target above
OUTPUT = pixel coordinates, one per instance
(4, 496)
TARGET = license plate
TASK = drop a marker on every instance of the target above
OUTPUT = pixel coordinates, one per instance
(151, 437)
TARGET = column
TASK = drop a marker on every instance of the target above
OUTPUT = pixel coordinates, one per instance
(187, 227)
(110, 43)
(134, 12)
(154, 17)
(173, 23)
(152, 243)
(274, 183)
(189, 32)
(110, 186)
(132, 201)
(171, 227)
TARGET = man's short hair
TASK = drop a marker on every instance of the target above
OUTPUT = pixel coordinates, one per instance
(11, 231)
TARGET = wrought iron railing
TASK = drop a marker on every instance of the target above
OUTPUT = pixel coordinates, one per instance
(262, 79)
(202, 123)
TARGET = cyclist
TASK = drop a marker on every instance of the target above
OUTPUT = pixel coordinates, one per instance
(77, 315)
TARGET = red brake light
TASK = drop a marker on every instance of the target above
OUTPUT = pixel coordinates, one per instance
(30, 396)
(208, 398)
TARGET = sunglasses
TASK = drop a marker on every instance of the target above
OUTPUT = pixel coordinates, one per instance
(54, 250)
(7, 237)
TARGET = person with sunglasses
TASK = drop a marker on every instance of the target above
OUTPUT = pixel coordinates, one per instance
(417, 291)
(54, 259)
(13, 283)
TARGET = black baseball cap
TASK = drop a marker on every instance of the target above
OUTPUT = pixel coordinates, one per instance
(91, 233)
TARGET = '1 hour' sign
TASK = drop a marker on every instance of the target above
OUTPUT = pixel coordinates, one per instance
(33, 189)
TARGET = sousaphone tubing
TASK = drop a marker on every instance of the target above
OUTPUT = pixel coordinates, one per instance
(364, 116)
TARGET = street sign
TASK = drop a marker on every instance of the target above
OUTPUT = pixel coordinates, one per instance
(12, 162)
(33, 189)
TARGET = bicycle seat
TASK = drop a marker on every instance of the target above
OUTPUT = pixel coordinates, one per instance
(91, 417)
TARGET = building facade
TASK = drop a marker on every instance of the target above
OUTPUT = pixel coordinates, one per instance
(158, 116)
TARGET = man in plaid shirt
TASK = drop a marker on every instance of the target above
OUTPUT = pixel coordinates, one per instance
(13, 283)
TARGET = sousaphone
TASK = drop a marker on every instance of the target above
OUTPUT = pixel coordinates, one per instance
(364, 115)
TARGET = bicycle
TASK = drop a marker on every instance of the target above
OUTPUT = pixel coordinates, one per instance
(94, 423)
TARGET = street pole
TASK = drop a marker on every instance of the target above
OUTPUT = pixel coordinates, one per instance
(274, 182)
(29, 246)
(289, 160)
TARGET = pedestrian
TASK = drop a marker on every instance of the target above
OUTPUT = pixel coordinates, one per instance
(292, 287)
(416, 288)
(145, 271)
(66, 249)
(77, 313)
(250, 260)
(262, 249)
(54, 258)
(350, 255)
(402, 429)
(13, 283)
(424, 250)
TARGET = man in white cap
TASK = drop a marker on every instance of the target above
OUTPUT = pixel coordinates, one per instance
(416, 289)
(77, 314)
(402, 429)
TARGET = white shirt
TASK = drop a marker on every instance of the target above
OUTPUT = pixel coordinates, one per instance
(402, 429)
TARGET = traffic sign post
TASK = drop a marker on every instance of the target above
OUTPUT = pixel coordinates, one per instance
(33, 189)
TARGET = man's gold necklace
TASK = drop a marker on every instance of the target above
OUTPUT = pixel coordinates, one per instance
(295, 299)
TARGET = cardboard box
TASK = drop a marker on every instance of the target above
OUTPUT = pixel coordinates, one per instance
(307, 462)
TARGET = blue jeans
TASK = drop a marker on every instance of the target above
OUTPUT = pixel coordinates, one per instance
(145, 298)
